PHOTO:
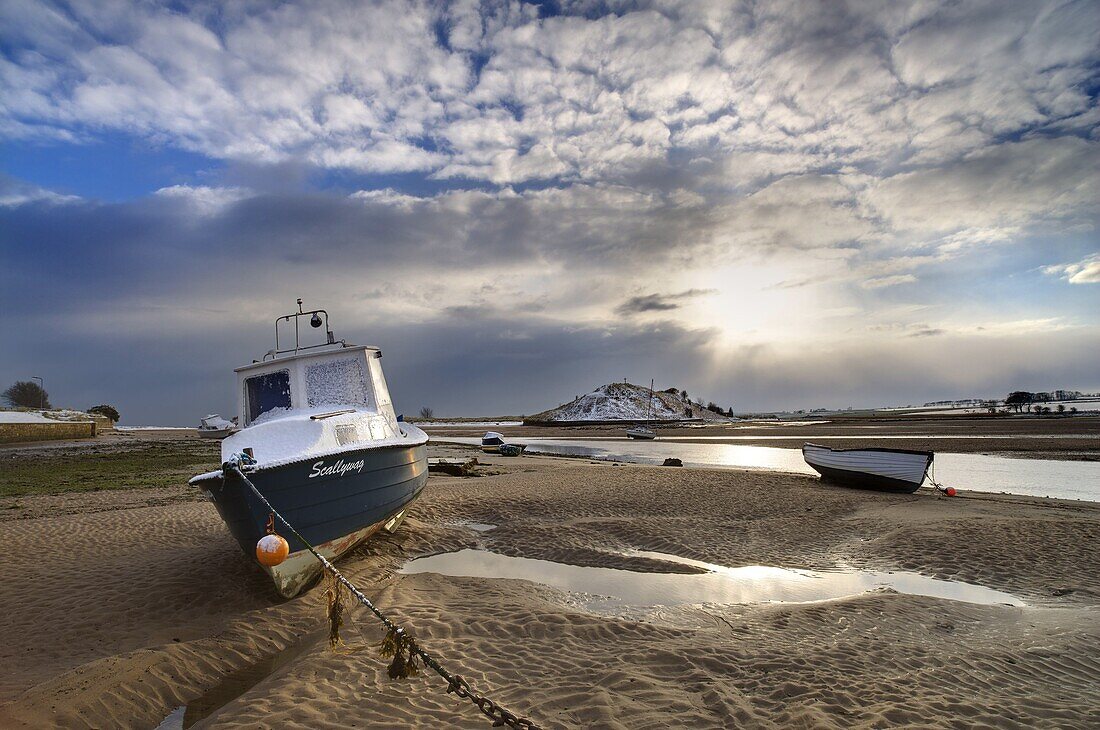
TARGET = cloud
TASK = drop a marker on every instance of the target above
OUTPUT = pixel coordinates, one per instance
(1004, 186)
(493, 92)
(1085, 271)
(16, 192)
(885, 281)
(205, 200)
(908, 329)
(659, 302)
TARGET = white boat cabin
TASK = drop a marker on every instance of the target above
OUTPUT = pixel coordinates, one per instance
(307, 403)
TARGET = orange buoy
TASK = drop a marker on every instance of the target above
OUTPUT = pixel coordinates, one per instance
(272, 549)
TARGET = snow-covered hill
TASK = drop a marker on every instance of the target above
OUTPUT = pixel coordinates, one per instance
(626, 402)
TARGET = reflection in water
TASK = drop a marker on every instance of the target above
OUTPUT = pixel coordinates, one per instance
(720, 584)
(974, 472)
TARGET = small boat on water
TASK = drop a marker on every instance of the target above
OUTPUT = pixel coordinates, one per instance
(491, 442)
(890, 470)
(215, 427)
(330, 454)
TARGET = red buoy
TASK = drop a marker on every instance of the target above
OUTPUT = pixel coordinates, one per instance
(950, 492)
(271, 550)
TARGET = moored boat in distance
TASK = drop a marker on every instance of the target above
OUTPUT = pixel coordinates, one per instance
(214, 426)
(642, 433)
(491, 442)
(330, 454)
(890, 470)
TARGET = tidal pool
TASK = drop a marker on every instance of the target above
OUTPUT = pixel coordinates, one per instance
(611, 589)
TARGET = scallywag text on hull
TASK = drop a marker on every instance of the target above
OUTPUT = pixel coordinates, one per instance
(320, 470)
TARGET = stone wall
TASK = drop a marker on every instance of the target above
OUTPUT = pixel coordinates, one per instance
(11, 433)
(102, 423)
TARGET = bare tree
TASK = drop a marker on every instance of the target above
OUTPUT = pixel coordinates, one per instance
(26, 394)
(426, 413)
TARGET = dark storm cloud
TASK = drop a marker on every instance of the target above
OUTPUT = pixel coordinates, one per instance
(659, 302)
(205, 240)
(487, 365)
(926, 332)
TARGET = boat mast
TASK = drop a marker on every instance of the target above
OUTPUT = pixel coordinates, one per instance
(649, 411)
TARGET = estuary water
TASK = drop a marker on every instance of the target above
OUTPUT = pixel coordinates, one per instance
(1078, 480)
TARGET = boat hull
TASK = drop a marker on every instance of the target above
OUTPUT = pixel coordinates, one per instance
(491, 442)
(335, 502)
(214, 433)
(886, 470)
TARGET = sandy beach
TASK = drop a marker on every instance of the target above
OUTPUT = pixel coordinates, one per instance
(121, 605)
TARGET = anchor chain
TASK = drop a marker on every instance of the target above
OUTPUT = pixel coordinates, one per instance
(455, 683)
(492, 710)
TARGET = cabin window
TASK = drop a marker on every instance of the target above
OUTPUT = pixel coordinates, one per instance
(338, 382)
(267, 392)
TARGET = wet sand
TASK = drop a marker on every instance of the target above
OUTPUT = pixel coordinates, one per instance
(120, 606)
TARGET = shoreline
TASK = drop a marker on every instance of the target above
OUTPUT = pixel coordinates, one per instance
(1065, 438)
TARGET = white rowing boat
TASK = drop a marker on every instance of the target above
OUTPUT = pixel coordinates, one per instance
(891, 470)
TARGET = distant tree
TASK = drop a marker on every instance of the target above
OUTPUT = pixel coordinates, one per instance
(1073, 409)
(684, 395)
(1061, 408)
(426, 412)
(105, 410)
(673, 391)
(1018, 399)
(26, 394)
(729, 412)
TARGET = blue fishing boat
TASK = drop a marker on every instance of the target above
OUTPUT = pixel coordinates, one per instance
(330, 453)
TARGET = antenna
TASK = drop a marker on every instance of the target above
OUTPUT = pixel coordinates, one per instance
(315, 321)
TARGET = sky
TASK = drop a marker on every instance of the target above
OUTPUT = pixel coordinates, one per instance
(772, 204)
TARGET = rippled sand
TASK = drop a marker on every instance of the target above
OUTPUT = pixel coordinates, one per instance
(119, 607)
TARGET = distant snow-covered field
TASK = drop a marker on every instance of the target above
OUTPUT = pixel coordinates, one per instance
(40, 417)
(23, 417)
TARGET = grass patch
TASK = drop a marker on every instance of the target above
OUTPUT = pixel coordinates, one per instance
(89, 470)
